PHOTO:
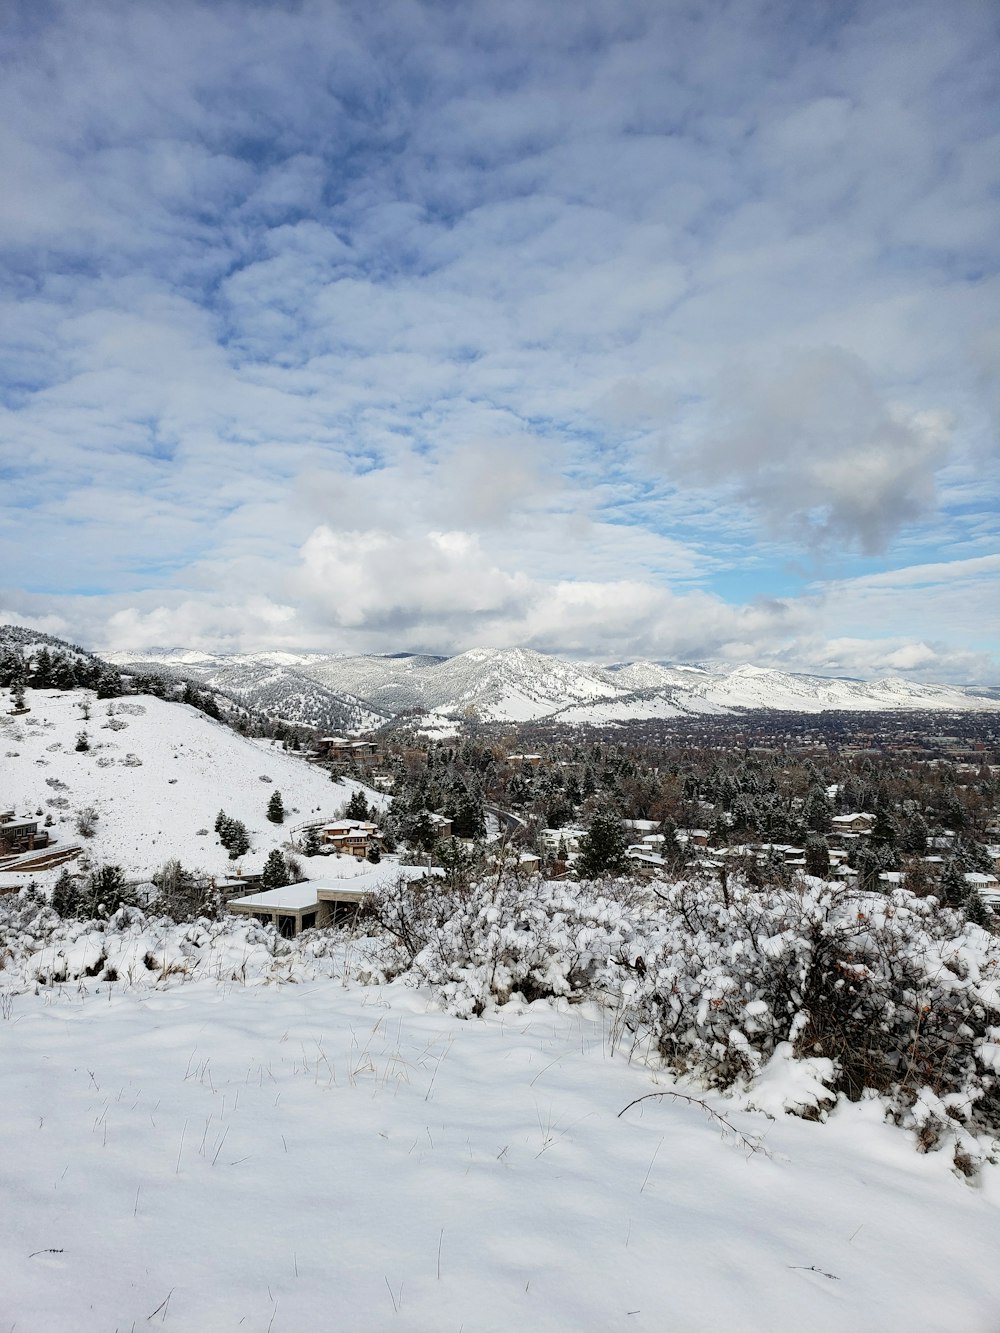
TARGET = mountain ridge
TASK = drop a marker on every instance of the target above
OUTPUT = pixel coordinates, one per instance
(520, 685)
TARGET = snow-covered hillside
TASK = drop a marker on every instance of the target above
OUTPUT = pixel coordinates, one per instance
(157, 774)
(270, 683)
(393, 683)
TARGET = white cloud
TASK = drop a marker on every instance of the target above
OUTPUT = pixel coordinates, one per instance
(276, 271)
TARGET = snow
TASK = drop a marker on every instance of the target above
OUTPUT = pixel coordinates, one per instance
(293, 897)
(210, 1155)
(519, 685)
(164, 805)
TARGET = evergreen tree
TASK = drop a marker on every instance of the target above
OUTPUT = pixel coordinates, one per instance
(470, 816)
(357, 806)
(64, 895)
(311, 841)
(816, 810)
(276, 808)
(977, 912)
(869, 869)
(603, 846)
(275, 873)
(42, 678)
(817, 856)
(954, 886)
(883, 832)
(104, 892)
(913, 835)
(419, 831)
(17, 694)
(209, 707)
(82, 742)
(236, 840)
(64, 673)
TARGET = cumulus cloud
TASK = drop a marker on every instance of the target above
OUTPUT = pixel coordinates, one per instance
(278, 274)
(818, 453)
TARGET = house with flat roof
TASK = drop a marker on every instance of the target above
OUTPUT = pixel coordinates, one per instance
(317, 903)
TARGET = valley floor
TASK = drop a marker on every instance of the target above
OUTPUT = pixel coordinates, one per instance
(215, 1156)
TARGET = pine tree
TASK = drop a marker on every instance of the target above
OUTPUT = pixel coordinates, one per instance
(82, 742)
(976, 911)
(43, 670)
(312, 841)
(275, 873)
(357, 806)
(868, 868)
(883, 832)
(275, 808)
(817, 856)
(64, 895)
(954, 886)
(105, 892)
(236, 840)
(603, 846)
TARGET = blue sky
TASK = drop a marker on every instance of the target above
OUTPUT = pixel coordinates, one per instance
(607, 329)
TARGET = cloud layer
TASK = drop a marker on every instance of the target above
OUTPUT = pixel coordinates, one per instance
(653, 329)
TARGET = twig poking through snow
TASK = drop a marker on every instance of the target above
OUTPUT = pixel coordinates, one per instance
(752, 1145)
(162, 1306)
(649, 1168)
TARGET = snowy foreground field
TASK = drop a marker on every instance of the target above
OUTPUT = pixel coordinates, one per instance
(209, 1155)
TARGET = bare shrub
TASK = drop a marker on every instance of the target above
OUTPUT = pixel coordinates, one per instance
(86, 821)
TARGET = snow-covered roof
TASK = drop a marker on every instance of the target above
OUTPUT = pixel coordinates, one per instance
(292, 898)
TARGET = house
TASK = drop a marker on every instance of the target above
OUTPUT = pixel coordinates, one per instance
(858, 822)
(345, 750)
(645, 862)
(21, 835)
(524, 760)
(290, 910)
(569, 837)
(354, 836)
(316, 904)
(441, 825)
(693, 837)
(297, 907)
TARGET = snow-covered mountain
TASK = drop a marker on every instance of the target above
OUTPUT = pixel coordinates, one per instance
(351, 693)
(275, 684)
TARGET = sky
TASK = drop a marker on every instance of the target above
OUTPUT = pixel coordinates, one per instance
(608, 328)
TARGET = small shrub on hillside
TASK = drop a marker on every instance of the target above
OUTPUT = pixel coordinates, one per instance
(86, 821)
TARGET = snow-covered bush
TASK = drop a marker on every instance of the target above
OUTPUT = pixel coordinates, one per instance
(38, 948)
(899, 995)
(478, 946)
(875, 994)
